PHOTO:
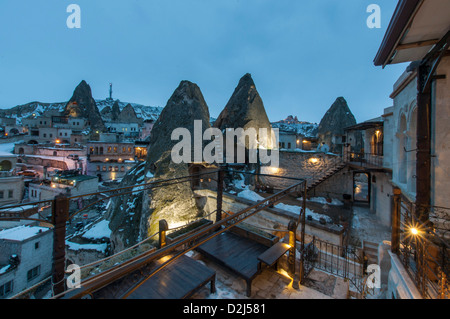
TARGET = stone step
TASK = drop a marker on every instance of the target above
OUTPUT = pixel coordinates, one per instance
(341, 289)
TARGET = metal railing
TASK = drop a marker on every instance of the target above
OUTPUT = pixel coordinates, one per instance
(117, 266)
(179, 247)
(364, 159)
(423, 253)
(341, 261)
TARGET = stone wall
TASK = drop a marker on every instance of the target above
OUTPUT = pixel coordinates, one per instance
(441, 150)
(270, 218)
(305, 165)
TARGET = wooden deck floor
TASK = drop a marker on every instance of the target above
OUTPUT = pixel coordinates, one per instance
(179, 279)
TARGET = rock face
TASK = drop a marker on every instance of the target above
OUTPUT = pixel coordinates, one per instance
(83, 105)
(115, 111)
(332, 125)
(128, 115)
(136, 216)
(245, 109)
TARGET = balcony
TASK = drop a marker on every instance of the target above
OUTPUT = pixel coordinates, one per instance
(366, 160)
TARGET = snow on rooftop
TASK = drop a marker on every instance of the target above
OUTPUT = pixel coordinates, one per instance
(7, 149)
(75, 246)
(98, 231)
(21, 233)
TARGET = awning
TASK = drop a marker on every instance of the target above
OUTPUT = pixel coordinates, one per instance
(415, 27)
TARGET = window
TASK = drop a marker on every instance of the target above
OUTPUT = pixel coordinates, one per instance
(289, 145)
(109, 149)
(6, 289)
(44, 135)
(1, 195)
(115, 149)
(10, 193)
(104, 168)
(33, 273)
(36, 245)
(124, 149)
(98, 168)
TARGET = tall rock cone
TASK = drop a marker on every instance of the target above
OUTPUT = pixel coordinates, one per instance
(245, 110)
(136, 216)
(82, 104)
(331, 127)
(115, 111)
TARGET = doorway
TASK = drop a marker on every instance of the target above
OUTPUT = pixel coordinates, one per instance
(361, 187)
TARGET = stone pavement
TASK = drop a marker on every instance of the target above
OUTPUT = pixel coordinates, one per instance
(272, 284)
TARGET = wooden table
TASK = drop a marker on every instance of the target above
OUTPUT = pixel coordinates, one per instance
(179, 280)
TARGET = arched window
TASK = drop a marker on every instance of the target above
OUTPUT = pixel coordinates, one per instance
(376, 144)
(5, 165)
(402, 142)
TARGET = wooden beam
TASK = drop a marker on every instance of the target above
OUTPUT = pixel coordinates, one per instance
(418, 44)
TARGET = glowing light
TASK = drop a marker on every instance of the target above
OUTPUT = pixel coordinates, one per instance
(414, 231)
(57, 141)
(53, 186)
(314, 160)
(274, 170)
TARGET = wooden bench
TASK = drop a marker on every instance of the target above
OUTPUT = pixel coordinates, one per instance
(179, 280)
(238, 252)
(271, 256)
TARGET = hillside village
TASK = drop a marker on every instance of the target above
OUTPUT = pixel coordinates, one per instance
(92, 183)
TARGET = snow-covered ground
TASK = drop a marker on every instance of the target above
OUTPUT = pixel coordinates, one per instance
(253, 196)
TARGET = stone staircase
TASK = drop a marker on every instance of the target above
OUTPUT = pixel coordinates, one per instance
(317, 180)
(371, 251)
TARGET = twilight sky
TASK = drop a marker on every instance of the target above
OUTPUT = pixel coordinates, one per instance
(302, 54)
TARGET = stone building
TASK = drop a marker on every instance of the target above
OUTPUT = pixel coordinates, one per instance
(110, 158)
(420, 154)
(11, 185)
(25, 259)
(67, 182)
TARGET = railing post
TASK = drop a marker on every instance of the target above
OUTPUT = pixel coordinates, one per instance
(60, 214)
(396, 218)
(220, 180)
(163, 228)
(292, 227)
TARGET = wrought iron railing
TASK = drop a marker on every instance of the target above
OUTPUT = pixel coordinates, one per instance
(364, 159)
(423, 253)
(341, 261)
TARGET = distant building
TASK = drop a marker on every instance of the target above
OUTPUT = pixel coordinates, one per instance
(110, 160)
(25, 259)
(11, 184)
(67, 182)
